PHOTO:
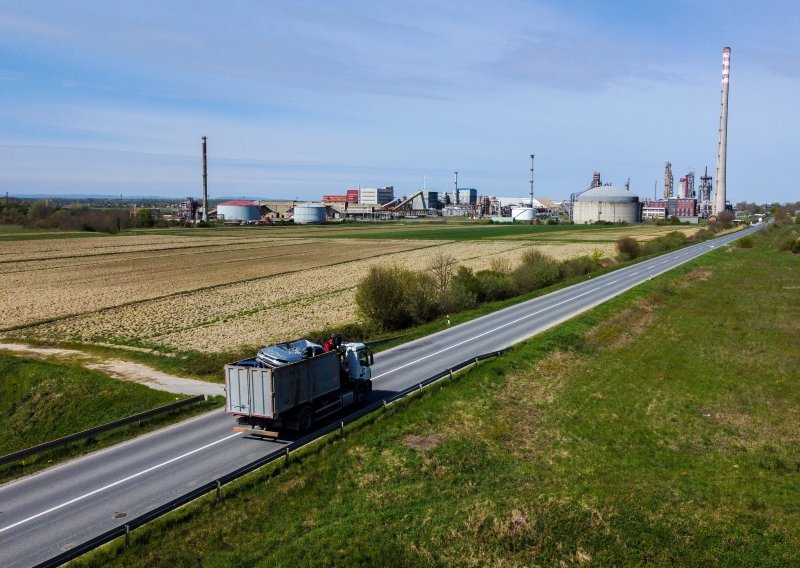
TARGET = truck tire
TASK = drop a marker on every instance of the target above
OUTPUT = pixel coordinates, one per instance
(306, 419)
(361, 394)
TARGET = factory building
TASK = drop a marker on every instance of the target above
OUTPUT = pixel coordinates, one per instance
(466, 196)
(376, 195)
(239, 210)
(606, 203)
(187, 209)
(657, 209)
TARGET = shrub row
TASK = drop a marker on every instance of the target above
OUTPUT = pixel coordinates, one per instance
(629, 248)
(393, 297)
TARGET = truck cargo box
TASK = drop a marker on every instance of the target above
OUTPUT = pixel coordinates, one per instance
(264, 392)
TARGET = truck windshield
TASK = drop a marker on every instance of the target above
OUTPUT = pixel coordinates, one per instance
(364, 357)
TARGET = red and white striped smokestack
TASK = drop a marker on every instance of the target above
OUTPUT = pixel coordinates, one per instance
(722, 149)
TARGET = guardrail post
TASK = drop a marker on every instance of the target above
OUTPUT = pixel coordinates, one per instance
(127, 536)
(219, 491)
(451, 373)
(384, 404)
(287, 456)
(341, 427)
(476, 361)
(420, 387)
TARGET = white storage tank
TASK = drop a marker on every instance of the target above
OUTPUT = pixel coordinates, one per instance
(523, 214)
(606, 203)
(239, 210)
(309, 213)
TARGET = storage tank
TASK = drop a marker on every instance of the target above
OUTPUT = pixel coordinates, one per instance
(523, 213)
(606, 203)
(239, 210)
(309, 213)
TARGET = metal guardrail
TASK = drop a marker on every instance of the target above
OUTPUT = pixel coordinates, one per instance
(216, 485)
(57, 443)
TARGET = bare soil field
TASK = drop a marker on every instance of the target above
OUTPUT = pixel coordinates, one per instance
(43, 290)
(209, 293)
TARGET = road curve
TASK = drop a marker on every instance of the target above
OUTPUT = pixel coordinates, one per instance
(49, 512)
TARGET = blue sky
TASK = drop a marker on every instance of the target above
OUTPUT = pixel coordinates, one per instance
(300, 99)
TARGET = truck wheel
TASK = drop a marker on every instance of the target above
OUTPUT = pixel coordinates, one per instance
(361, 395)
(305, 420)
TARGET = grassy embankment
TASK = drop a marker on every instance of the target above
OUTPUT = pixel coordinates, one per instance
(41, 401)
(659, 428)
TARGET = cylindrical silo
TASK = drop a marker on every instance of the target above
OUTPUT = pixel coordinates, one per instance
(606, 203)
(238, 210)
(309, 213)
(523, 213)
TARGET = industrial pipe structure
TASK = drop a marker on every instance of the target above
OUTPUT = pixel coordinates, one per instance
(722, 150)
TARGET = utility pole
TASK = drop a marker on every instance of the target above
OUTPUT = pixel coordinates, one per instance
(456, 184)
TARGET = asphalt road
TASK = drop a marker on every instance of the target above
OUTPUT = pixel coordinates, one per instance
(52, 511)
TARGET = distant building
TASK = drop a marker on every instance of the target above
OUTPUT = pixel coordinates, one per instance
(685, 207)
(376, 195)
(352, 196)
(187, 209)
(466, 196)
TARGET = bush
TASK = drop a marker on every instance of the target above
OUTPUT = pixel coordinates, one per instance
(745, 242)
(702, 235)
(493, 285)
(383, 297)
(536, 271)
(725, 218)
(665, 243)
(422, 295)
(578, 266)
(788, 242)
(628, 248)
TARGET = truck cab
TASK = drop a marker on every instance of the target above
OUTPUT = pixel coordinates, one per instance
(358, 359)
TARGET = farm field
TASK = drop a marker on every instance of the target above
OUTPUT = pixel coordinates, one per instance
(621, 438)
(231, 289)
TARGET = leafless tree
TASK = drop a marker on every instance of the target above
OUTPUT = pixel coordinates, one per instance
(443, 268)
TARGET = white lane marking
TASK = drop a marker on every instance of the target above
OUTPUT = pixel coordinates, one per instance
(490, 331)
(110, 485)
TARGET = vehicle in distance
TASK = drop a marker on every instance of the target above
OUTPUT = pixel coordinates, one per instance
(292, 385)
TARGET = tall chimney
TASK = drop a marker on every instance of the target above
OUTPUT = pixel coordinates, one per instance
(205, 183)
(722, 150)
(455, 183)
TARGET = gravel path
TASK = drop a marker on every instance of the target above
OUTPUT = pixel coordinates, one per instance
(123, 370)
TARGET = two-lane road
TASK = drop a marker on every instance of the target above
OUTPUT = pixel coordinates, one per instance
(49, 512)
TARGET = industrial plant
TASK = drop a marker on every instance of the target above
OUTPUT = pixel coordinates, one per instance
(598, 203)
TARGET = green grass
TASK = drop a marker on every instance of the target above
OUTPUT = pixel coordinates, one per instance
(433, 230)
(41, 401)
(659, 428)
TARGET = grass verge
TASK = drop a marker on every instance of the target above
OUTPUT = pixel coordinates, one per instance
(658, 428)
(41, 401)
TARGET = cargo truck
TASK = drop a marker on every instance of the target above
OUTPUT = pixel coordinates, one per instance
(292, 385)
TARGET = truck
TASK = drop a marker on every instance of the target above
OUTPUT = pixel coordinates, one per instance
(294, 384)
